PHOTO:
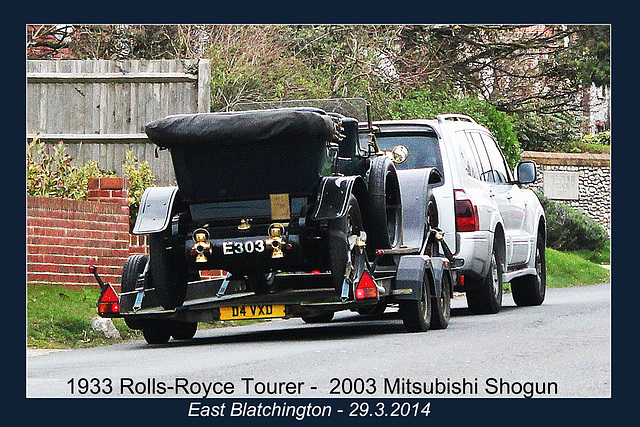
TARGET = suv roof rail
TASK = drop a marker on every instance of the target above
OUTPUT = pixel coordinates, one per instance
(454, 117)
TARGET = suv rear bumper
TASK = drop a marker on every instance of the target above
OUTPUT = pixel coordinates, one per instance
(475, 249)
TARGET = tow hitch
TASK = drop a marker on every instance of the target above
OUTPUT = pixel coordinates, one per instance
(109, 301)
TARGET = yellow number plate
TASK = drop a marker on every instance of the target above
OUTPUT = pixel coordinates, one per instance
(251, 312)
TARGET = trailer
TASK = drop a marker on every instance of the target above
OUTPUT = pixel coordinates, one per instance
(304, 220)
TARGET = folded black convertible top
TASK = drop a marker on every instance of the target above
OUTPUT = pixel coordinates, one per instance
(241, 127)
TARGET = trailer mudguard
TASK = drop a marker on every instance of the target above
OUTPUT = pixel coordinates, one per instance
(333, 196)
(154, 214)
(410, 276)
(415, 191)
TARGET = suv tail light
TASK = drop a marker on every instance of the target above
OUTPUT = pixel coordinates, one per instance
(466, 212)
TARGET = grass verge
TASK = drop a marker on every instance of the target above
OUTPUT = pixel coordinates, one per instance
(572, 269)
(60, 317)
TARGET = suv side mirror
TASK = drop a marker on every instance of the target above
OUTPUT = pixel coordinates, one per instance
(526, 172)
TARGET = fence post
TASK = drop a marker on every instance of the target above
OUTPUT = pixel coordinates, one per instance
(204, 86)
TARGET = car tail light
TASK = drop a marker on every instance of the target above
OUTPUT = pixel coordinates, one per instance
(466, 212)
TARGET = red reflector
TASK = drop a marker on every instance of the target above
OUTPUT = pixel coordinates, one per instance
(366, 287)
(460, 280)
(109, 301)
(92, 269)
(109, 295)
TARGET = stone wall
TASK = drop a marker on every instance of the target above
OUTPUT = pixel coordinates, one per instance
(580, 180)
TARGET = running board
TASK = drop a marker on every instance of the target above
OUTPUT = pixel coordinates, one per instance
(507, 277)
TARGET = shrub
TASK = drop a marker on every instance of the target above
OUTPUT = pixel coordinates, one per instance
(600, 138)
(571, 230)
(547, 132)
(596, 143)
(425, 104)
(51, 174)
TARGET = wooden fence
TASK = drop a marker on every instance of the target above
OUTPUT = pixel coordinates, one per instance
(99, 108)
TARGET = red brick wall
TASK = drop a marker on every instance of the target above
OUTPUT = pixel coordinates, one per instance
(65, 236)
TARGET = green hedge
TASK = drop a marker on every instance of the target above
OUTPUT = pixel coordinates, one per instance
(571, 230)
(425, 105)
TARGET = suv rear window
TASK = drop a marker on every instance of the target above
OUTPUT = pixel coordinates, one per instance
(424, 150)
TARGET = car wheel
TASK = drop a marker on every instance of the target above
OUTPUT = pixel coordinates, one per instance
(416, 314)
(158, 332)
(384, 207)
(441, 306)
(487, 299)
(530, 290)
(347, 257)
(133, 268)
(168, 272)
(183, 330)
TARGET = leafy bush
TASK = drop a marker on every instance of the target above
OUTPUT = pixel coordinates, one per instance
(547, 132)
(51, 174)
(600, 138)
(597, 143)
(425, 104)
(571, 230)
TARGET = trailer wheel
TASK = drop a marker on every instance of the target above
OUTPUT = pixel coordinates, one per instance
(158, 332)
(441, 307)
(346, 257)
(168, 272)
(183, 330)
(384, 207)
(416, 314)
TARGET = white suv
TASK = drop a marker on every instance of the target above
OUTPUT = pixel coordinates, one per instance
(496, 228)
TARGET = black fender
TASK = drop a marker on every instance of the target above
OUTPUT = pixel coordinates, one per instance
(410, 276)
(154, 214)
(416, 190)
(333, 196)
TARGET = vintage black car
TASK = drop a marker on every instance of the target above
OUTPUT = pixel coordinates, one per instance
(264, 191)
(304, 215)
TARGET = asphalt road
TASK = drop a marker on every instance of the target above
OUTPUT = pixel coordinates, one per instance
(559, 349)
